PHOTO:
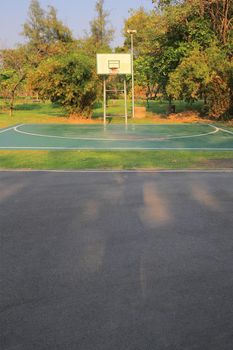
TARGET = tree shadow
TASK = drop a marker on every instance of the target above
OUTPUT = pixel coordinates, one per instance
(27, 107)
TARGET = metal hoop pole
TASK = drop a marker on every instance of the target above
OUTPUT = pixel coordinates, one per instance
(132, 63)
(125, 94)
(104, 100)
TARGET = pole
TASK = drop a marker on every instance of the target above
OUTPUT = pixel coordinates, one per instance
(104, 100)
(132, 65)
(125, 94)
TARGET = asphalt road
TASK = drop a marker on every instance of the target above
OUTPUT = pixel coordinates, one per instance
(116, 261)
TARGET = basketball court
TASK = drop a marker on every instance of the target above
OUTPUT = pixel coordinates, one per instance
(117, 137)
(108, 136)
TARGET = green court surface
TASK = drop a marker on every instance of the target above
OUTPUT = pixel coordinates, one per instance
(116, 137)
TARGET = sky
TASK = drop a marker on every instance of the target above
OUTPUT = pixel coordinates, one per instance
(76, 14)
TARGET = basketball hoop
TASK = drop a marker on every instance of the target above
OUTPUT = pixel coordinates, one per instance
(112, 65)
(113, 71)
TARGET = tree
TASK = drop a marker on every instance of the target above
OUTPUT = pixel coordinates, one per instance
(101, 33)
(204, 74)
(13, 72)
(160, 44)
(145, 22)
(220, 88)
(220, 14)
(46, 34)
(184, 30)
(68, 80)
(161, 4)
(173, 49)
(33, 29)
(145, 76)
(190, 79)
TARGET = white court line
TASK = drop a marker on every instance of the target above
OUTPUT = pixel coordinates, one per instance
(11, 128)
(115, 148)
(216, 129)
(228, 131)
(133, 171)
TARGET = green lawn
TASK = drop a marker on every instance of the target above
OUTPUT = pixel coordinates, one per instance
(160, 107)
(115, 160)
(34, 112)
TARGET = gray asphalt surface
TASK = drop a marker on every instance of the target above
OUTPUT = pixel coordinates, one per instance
(116, 261)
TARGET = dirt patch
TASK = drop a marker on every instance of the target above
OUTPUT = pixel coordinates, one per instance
(217, 163)
(82, 120)
(140, 112)
(188, 116)
(183, 117)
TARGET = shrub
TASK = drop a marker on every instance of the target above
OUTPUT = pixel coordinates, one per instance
(218, 97)
(68, 80)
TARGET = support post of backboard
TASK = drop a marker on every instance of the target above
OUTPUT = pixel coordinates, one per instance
(132, 65)
(105, 100)
(125, 94)
(132, 32)
(113, 64)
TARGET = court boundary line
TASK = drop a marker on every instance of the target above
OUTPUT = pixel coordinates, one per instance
(110, 171)
(228, 131)
(166, 138)
(14, 127)
(116, 124)
(11, 128)
(115, 148)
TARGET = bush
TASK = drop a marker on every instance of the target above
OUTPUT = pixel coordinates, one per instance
(218, 97)
(68, 80)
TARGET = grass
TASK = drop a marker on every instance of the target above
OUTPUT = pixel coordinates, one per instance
(34, 112)
(115, 160)
(160, 107)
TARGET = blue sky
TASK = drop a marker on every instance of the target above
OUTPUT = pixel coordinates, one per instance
(75, 13)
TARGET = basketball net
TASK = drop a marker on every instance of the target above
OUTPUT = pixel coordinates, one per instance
(113, 71)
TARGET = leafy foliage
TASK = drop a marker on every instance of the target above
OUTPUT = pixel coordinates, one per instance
(184, 48)
(43, 27)
(101, 33)
(13, 72)
(46, 34)
(68, 80)
(204, 74)
(190, 79)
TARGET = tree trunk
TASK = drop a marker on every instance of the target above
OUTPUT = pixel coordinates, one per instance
(169, 104)
(171, 107)
(205, 99)
(14, 89)
(12, 103)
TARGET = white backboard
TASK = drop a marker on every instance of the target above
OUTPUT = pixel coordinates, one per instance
(114, 63)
